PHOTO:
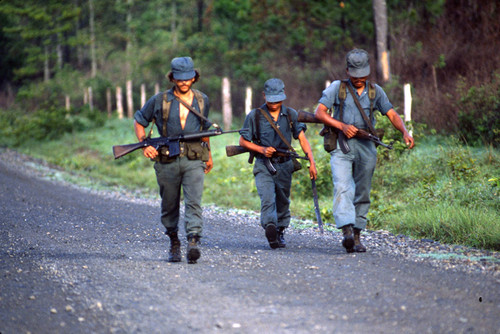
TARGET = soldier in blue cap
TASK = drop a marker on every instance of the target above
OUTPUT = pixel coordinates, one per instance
(352, 172)
(260, 136)
(178, 111)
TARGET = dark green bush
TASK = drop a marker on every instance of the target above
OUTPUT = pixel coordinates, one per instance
(479, 113)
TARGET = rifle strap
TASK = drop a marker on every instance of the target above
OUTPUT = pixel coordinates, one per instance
(268, 118)
(356, 101)
(201, 104)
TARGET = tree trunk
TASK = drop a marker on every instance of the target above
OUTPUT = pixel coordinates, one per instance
(46, 70)
(201, 6)
(381, 29)
(91, 102)
(173, 23)
(93, 60)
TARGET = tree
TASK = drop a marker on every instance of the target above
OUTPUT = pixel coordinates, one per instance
(39, 31)
(382, 52)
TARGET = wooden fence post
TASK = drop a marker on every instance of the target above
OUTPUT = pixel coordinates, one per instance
(119, 102)
(248, 100)
(143, 94)
(157, 88)
(67, 103)
(108, 101)
(408, 100)
(227, 112)
(130, 104)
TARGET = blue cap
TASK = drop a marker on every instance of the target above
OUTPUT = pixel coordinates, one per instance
(358, 63)
(274, 90)
(183, 68)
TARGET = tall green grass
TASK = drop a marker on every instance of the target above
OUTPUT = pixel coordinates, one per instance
(440, 190)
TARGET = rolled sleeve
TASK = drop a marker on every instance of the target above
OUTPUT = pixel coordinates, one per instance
(145, 115)
(297, 126)
(248, 130)
(330, 95)
(382, 104)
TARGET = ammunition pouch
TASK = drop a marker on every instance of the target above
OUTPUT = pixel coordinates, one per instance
(197, 150)
(163, 156)
(329, 138)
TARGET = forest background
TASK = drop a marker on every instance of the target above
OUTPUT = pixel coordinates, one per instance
(446, 49)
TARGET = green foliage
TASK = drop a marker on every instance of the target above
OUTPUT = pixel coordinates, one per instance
(440, 190)
(479, 113)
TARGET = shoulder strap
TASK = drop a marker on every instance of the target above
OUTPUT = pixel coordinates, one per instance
(268, 118)
(356, 101)
(165, 113)
(201, 105)
(342, 97)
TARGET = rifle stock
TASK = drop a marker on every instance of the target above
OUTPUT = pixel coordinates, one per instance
(121, 150)
(232, 150)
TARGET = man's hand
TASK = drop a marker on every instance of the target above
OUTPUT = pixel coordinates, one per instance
(268, 151)
(349, 130)
(410, 142)
(313, 173)
(209, 165)
(150, 152)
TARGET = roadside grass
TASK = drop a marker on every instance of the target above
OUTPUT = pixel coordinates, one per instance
(440, 190)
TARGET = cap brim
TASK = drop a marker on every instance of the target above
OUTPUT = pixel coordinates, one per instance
(184, 75)
(359, 72)
(275, 98)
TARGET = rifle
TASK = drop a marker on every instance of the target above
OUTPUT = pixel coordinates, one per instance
(171, 142)
(307, 117)
(235, 150)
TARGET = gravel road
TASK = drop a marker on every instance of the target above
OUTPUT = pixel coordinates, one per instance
(75, 260)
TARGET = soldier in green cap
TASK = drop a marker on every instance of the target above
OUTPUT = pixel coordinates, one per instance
(352, 172)
(178, 111)
(260, 136)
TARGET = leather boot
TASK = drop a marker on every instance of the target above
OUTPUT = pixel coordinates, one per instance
(193, 252)
(358, 246)
(348, 241)
(174, 254)
(281, 237)
(272, 235)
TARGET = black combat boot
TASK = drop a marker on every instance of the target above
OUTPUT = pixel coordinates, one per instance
(193, 252)
(358, 246)
(272, 235)
(348, 241)
(174, 254)
(281, 237)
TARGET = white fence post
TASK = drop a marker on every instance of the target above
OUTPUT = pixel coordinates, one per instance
(130, 104)
(248, 100)
(143, 94)
(227, 112)
(119, 102)
(408, 100)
